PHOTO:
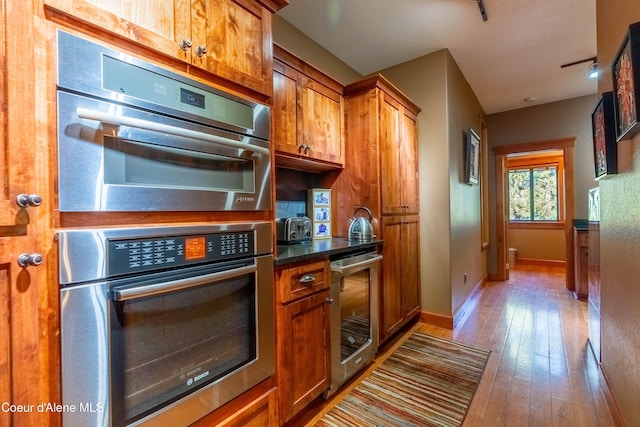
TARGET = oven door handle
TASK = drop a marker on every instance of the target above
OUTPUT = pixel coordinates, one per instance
(85, 113)
(181, 284)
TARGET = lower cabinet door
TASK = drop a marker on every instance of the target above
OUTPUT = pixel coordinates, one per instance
(400, 288)
(303, 353)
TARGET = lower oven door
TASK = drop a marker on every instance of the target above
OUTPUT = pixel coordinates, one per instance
(166, 348)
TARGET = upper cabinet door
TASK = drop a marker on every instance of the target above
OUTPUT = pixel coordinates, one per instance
(399, 160)
(409, 165)
(228, 38)
(284, 112)
(232, 39)
(322, 123)
(308, 115)
(161, 25)
(390, 155)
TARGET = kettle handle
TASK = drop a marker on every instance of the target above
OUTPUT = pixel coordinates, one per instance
(364, 208)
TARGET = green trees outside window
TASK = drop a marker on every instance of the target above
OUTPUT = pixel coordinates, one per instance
(533, 194)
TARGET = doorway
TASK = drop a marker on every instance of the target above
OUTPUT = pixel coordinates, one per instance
(566, 145)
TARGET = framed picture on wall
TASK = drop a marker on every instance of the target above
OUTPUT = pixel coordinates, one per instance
(625, 72)
(472, 158)
(604, 137)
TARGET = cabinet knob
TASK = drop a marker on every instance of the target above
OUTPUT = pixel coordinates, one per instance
(25, 200)
(201, 50)
(25, 260)
(185, 44)
(329, 300)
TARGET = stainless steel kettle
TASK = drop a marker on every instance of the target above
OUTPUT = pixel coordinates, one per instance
(360, 228)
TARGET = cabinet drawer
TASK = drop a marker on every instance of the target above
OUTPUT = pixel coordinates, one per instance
(303, 279)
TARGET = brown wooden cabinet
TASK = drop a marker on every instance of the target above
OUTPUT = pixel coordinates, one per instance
(302, 318)
(381, 172)
(581, 263)
(308, 111)
(261, 412)
(228, 38)
(29, 296)
(400, 290)
(399, 162)
(29, 333)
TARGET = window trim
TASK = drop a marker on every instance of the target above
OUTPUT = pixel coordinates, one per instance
(537, 225)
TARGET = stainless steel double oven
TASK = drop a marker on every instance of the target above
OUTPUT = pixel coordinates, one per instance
(159, 325)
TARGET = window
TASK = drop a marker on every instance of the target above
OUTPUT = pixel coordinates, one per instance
(535, 188)
(533, 194)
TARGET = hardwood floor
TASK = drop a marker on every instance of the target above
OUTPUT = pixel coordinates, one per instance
(541, 371)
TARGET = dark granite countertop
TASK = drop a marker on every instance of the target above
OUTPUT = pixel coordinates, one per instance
(581, 224)
(296, 252)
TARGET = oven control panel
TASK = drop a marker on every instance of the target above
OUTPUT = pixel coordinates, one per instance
(144, 254)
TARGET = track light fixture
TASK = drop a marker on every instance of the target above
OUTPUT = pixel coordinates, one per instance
(483, 11)
(593, 67)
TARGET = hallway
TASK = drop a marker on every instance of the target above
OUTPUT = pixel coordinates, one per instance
(541, 371)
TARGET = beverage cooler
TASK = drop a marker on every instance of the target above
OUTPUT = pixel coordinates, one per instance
(594, 271)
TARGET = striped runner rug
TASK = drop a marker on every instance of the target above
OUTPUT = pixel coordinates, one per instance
(427, 381)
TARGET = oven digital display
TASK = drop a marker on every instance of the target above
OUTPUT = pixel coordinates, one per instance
(194, 248)
(191, 98)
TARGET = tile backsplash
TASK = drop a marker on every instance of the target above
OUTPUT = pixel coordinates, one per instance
(290, 208)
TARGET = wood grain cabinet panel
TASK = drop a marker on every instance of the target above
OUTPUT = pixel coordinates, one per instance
(228, 38)
(303, 366)
(237, 37)
(581, 263)
(262, 412)
(29, 345)
(303, 280)
(400, 290)
(382, 174)
(399, 160)
(308, 123)
(409, 171)
(284, 129)
(322, 120)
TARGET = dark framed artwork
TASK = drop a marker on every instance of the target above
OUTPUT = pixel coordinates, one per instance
(625, 72)
(472, 158)
(604, 137)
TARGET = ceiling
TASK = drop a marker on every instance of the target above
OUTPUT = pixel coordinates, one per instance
(516, 54)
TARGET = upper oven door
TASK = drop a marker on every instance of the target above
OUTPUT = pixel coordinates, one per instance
(116, 158)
